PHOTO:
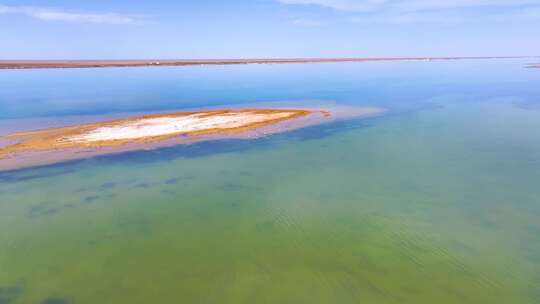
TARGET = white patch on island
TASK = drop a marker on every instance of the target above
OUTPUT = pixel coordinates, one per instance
(151, 127)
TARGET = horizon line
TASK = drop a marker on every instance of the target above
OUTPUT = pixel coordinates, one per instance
(104, 63)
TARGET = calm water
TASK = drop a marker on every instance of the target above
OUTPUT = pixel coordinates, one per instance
(437, 202)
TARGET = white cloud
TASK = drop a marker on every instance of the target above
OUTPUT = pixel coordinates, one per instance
(53, 14)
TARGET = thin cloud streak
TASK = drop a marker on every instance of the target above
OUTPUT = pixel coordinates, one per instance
(444, 12)
(409, 18)
(407, 5)
(339, 5)
(308, 22)
(54, 14)
(446, 18)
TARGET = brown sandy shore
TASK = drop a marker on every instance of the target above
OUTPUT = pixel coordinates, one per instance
(47, 64)
(52, 145)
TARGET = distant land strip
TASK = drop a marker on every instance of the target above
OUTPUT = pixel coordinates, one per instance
(51, 64)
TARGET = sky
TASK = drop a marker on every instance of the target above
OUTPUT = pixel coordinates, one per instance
(137, 29)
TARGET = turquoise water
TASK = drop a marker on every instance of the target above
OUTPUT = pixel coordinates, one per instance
(436, 202)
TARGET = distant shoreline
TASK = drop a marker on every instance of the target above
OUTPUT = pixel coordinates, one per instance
(66, 64)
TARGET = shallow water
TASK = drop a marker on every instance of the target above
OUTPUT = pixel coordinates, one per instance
(436, 202)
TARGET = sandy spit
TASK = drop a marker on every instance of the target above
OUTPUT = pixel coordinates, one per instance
(52, 145)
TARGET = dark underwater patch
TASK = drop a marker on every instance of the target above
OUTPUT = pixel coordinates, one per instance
(175, 180)
(82, 189)
(529, 106)
(326, 130)
(41, 210)
(90, 199)
(245, 173)
(26, 174)
(107, 186)
(462, 247)
(93, 198)
(171, 181)
(232, 187)
(54, 301)
(103, 187)
(8, 294)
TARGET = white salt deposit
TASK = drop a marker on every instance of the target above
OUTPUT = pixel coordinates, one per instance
(149, 127)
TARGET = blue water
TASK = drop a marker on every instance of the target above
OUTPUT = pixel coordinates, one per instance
(398, 85)
(435, 202)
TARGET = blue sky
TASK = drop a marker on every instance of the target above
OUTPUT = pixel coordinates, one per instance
(61, 29)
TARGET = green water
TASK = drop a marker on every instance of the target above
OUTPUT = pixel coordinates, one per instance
(439, 205)
(436, 206)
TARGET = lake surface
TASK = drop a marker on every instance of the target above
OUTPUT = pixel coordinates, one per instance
(436, 202)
